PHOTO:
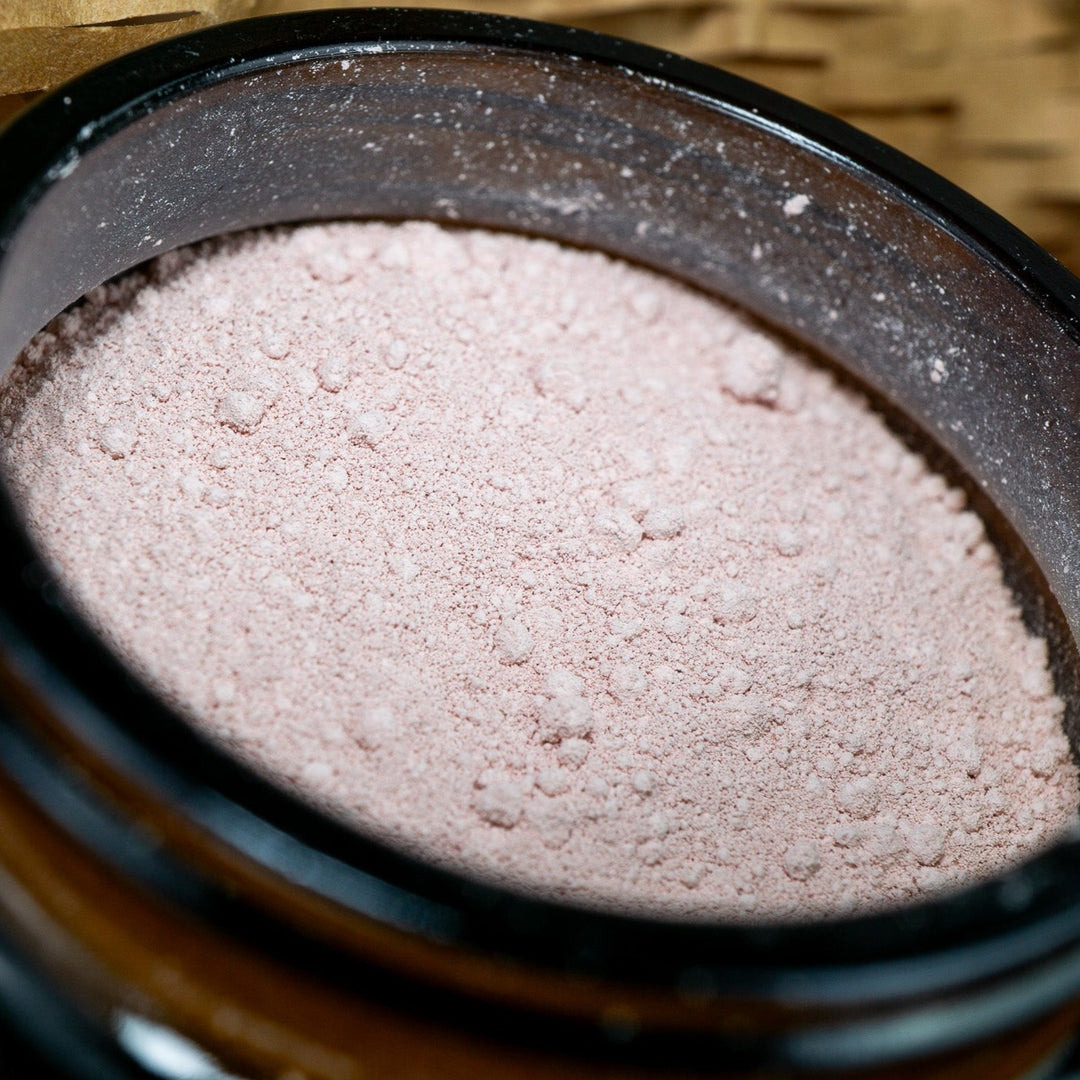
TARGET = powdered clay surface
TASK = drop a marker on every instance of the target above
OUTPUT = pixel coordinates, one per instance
(543, 567)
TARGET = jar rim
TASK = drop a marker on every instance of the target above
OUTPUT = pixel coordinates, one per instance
(1027, 914)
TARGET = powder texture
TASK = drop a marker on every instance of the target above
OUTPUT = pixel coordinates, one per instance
(542, 567)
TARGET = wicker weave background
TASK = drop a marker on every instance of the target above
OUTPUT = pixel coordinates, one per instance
(985, 91)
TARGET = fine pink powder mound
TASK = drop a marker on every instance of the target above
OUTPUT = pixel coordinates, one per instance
(542, 567)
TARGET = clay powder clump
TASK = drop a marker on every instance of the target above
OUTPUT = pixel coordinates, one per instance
(542, 567)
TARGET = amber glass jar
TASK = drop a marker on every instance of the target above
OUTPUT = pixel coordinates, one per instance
(166, 911)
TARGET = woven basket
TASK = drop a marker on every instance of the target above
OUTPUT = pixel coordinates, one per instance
(985, 91)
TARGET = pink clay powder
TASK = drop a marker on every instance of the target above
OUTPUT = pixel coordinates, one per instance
(542, 567)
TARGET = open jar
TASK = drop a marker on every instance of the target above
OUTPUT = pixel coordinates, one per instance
(169, 910)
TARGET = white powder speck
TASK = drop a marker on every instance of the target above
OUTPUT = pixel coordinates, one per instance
(794, 206)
